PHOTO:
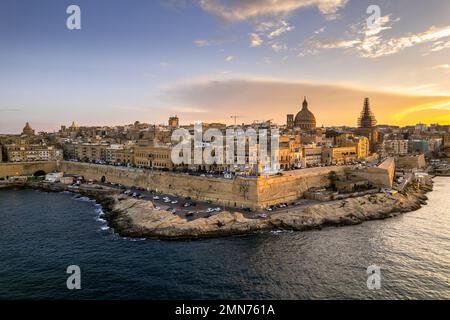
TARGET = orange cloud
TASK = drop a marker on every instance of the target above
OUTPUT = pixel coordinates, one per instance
(263, 99)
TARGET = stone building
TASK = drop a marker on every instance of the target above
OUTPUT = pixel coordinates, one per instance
(86, 151)
(120, 154)
(446, 141)
(289, 152)
(153, 155)
(311, 156)
(32, 152)
(174, 122)
(396, 146)
(349, 140)
(304, 119)
(69, 132)
(339, 155)
(124, 156)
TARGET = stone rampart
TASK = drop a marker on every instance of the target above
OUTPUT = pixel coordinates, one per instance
(10, 169)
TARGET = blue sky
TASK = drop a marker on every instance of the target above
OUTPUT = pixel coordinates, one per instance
(209, 59)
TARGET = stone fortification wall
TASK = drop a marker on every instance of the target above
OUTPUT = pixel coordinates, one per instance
(10, 169)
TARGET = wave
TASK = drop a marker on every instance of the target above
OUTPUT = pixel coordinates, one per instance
(277, 232)
(83, 199)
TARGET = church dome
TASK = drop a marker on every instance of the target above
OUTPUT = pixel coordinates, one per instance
(305, 119)
(27, 130)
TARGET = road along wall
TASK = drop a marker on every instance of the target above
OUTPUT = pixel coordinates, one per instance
(240, 192)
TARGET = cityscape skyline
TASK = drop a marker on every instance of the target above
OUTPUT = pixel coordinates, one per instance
(226, 122)
(208, 60)
(219, 158)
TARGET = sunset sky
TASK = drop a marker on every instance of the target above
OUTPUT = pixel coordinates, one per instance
(209, 59)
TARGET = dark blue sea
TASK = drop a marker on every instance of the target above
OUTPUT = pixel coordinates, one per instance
(41, 234)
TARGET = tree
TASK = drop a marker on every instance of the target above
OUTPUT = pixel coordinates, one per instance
(333, 177)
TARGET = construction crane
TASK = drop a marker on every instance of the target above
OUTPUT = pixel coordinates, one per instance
(235, 117)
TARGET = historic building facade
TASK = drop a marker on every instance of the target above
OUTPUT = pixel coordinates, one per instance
(304, 120)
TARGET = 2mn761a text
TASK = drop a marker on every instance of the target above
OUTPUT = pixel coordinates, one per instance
(235, 309)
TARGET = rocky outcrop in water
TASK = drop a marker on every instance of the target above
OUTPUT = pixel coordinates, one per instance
(139, 218)
(133, 217)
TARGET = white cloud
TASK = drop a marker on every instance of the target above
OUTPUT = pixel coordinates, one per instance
(270, 30)
(285, 27)
(229, 58)
(255, 40)
(375, 46)
(213, 42)
(321, 30)
(370, 43)
(201, 43)
(239, 10)
(441, 67)
(277, 47)
(440, 45)
(268, 16)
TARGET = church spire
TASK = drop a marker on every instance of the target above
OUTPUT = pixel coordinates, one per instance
(366, 119)
(305, 103)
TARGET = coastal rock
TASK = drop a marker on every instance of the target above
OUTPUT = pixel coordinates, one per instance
(139, 218)
(133, 217)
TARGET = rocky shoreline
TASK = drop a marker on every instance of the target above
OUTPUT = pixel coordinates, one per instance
(139, 218)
